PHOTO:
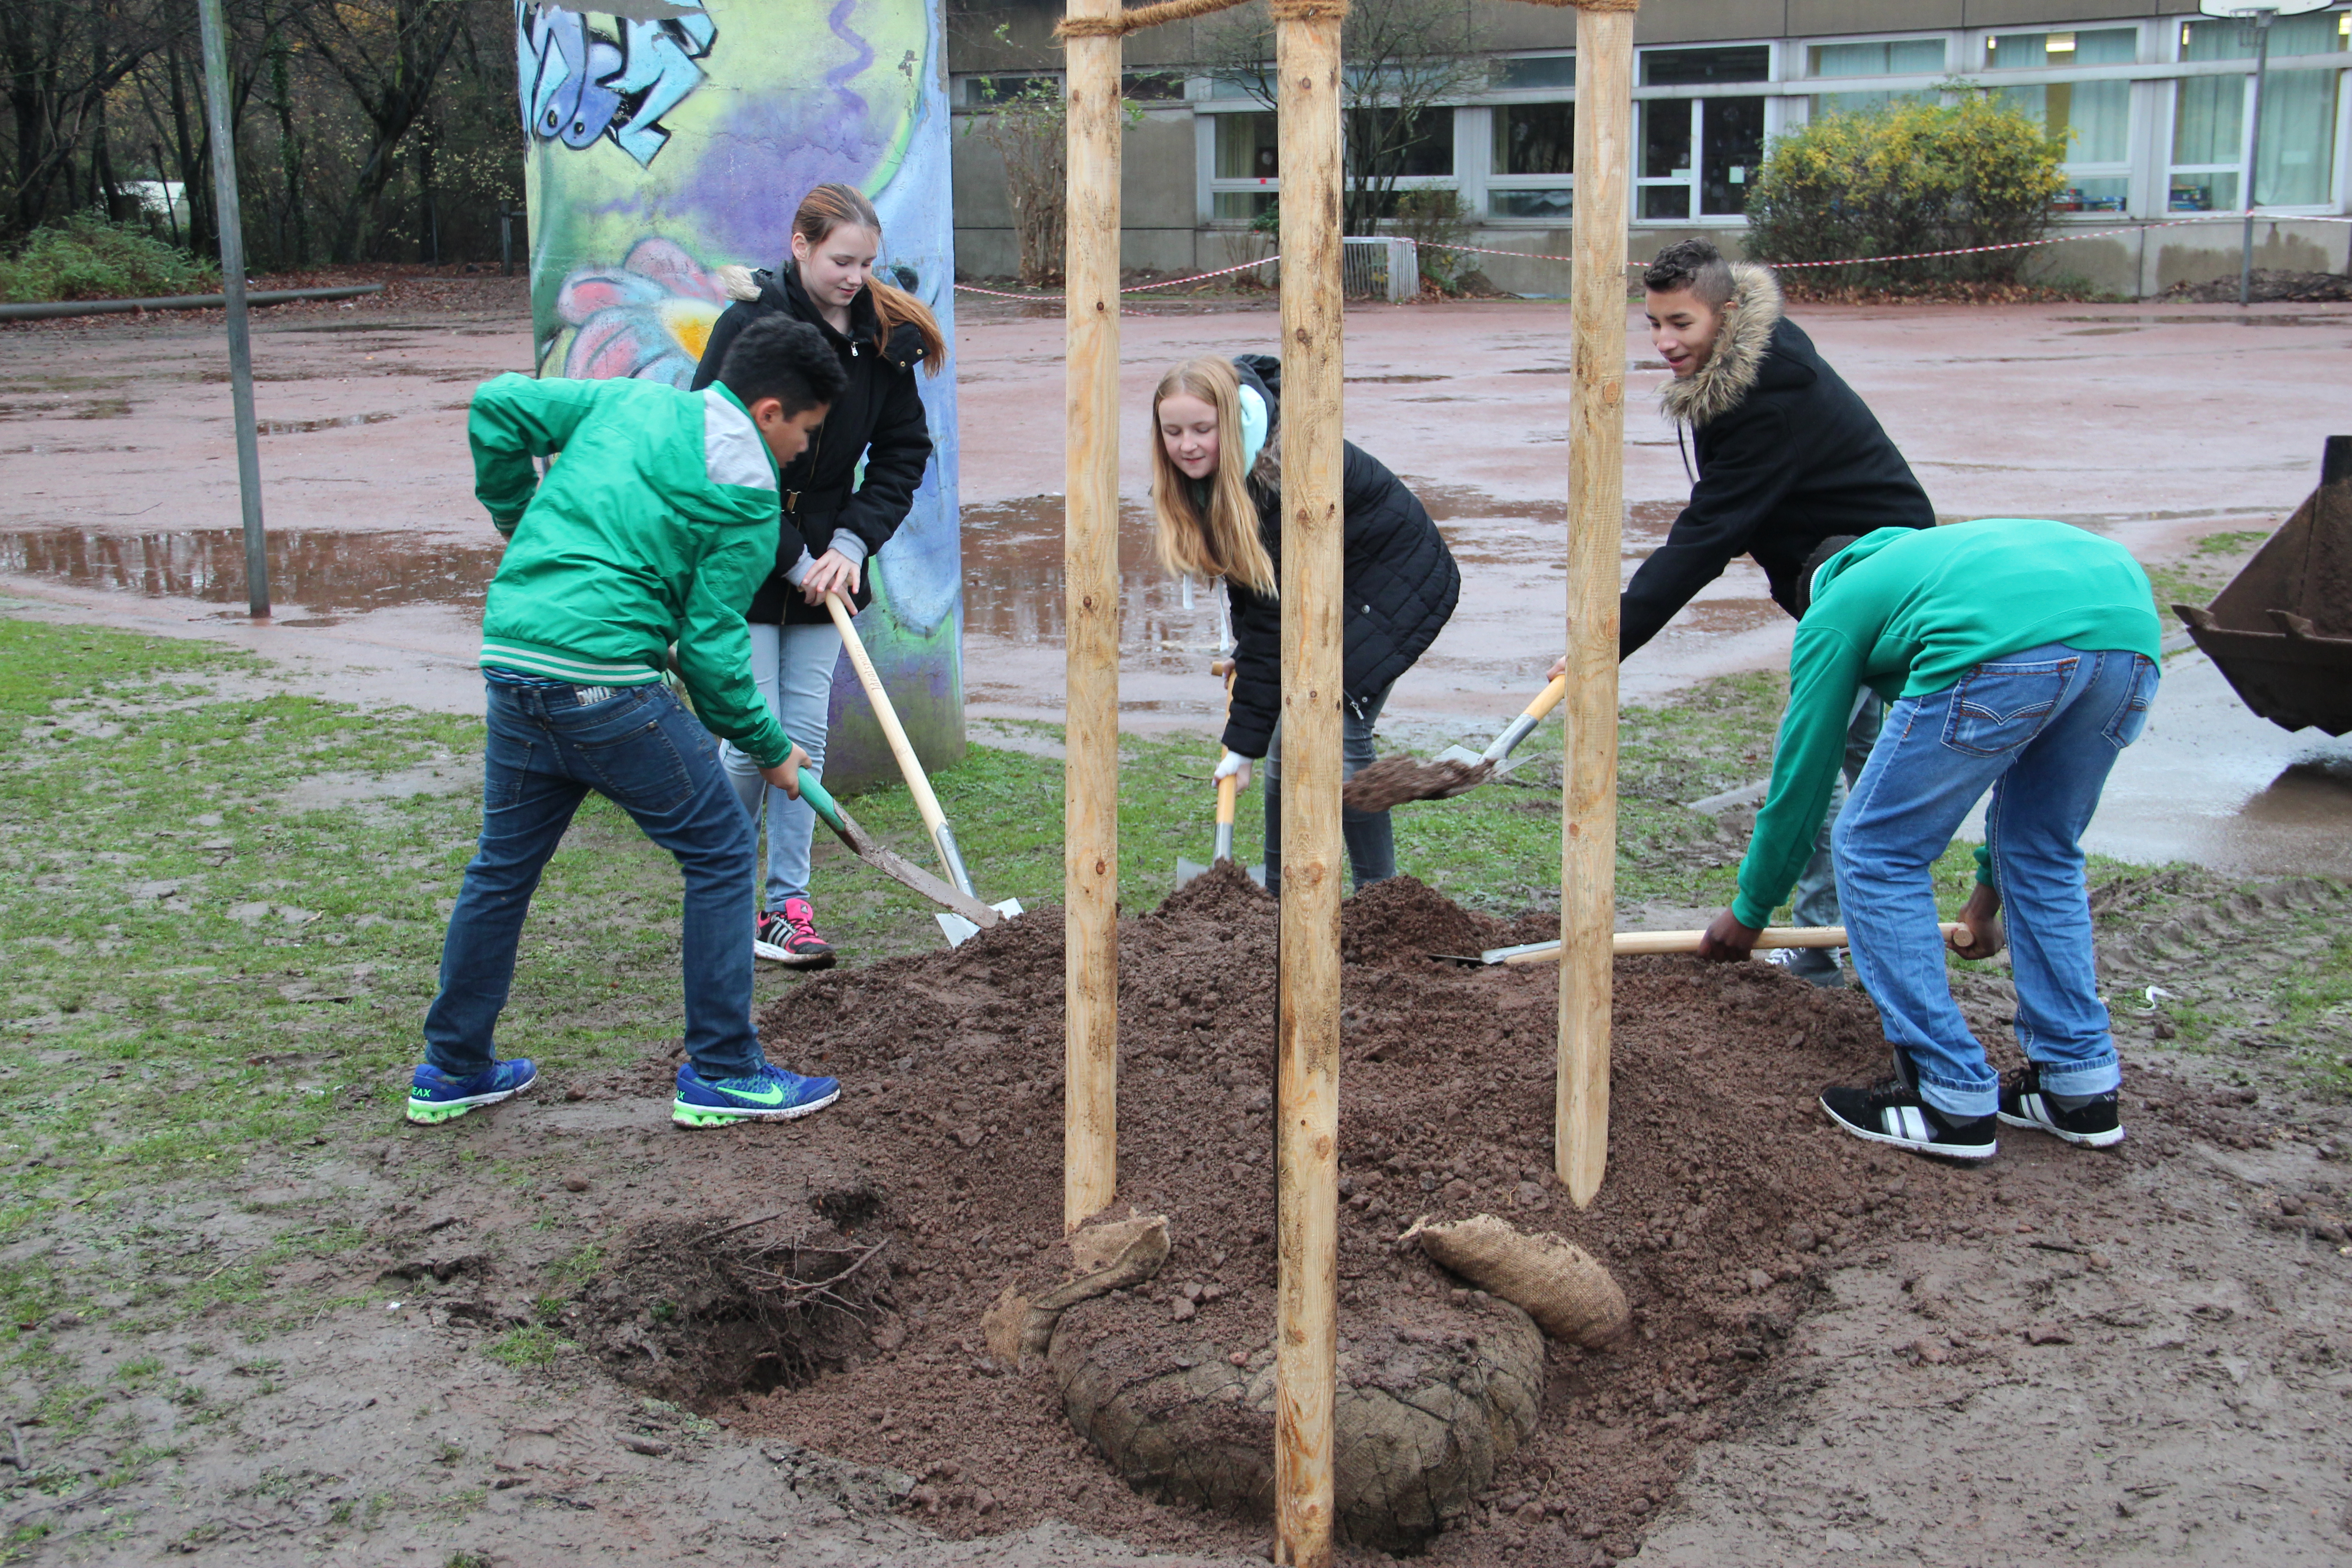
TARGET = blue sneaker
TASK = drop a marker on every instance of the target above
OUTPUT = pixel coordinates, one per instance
(434, 1095)
(771, 1094)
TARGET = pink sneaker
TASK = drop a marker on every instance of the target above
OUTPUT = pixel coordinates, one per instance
(791, 938)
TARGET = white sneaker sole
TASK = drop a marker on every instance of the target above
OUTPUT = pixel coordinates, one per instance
(2087, 1140)
(720, 1116)
(1917, 1146)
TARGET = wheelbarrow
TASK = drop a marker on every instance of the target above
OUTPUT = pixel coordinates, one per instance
(2281, 632)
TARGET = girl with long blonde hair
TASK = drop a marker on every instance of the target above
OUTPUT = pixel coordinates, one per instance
(835, 518)
(1216, 496)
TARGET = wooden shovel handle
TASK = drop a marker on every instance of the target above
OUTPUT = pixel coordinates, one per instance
(1626, 943)
(1548, 698)
(917, 785)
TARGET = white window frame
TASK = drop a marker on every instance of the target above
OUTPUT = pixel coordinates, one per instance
(2135, 197)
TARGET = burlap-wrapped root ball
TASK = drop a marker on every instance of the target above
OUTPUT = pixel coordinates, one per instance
(1424, 1414)
(1563, 1287)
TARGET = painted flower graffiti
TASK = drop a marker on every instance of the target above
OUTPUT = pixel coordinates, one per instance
(578, 84)
(647, 318)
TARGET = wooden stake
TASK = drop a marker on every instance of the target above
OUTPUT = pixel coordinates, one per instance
(1307, 60)
(1596, 486)
(1090, 566)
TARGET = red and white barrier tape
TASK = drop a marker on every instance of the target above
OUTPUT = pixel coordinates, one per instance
(1777, 265)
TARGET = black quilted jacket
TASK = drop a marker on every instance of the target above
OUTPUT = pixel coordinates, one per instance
(1402, 580)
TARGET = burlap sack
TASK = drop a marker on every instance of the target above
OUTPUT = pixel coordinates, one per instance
(1113, 1255)
(1563, 1288)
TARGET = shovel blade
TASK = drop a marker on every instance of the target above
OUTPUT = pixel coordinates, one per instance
(959, 931)
(1462, 754)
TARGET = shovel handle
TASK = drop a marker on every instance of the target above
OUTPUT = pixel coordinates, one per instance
(821, 801)
(935, 821)
(1529, 717)
(1228, 788)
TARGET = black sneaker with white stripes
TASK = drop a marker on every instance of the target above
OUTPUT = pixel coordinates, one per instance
(1892, 1112)
(2094, 1121)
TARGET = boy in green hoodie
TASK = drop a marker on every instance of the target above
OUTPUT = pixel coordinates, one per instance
(2017, 656)
(656, 522)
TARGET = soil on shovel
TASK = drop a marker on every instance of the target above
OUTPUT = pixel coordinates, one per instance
(1727, 1195)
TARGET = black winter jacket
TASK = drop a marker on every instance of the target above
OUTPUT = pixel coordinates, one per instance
(1400, 579)
(879, 416)
(1788, 455)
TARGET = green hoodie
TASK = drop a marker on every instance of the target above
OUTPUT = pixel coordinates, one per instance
(654, 526)
(1908, 612)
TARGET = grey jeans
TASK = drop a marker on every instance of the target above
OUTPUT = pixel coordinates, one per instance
(1369, 836)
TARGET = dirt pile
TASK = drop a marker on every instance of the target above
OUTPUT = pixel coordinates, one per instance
(2270, 285)
(1726, 1191)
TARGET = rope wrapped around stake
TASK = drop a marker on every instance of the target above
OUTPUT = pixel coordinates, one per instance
(1166, 11)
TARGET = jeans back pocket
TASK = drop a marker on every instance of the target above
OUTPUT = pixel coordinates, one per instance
(2131, 718)
(1998, 708)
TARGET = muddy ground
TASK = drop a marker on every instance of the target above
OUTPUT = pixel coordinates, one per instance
(539, 1339)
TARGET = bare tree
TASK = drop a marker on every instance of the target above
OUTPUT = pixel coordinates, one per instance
(59, 61)
(1029, 129)
(1405, 61)
(388, 53)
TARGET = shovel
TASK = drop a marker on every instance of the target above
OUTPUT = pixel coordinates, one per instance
(1454, 771)
(960, 926)
(1228, 791)
(890, 863)
(1627, 943)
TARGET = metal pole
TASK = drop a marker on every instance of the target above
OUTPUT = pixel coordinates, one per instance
(2254, 156)
(240, 341)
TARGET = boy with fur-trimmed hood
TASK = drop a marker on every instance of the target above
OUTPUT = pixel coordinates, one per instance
(1787, 456)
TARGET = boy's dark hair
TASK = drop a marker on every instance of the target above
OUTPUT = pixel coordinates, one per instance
(1692, 264)
(784, 358)
(1814, 562)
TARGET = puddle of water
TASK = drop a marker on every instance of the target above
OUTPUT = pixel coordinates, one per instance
(304, 426)
(1392, 380)
(318, 569)
(2343, 319)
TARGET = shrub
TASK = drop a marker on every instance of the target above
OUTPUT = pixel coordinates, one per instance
(87, 258)
(1437, 222)
(1905, 178)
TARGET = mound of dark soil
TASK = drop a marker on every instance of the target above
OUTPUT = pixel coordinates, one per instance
(1726, 1192)
(2270, 285)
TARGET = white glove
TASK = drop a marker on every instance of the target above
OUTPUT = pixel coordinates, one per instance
(1234, 766)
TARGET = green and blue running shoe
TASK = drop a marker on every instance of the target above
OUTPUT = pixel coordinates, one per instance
(434, 1095)
(771, 1094)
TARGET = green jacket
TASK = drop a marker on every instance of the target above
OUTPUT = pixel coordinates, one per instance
(1908, 612)
(655, 525)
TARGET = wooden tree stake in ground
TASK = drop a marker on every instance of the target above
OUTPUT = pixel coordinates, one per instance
(1090, 564)
(1307, 59)
(1596, 493)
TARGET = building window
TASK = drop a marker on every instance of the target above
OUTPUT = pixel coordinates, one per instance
(1691, 68)
(1879, 57)
(1536, 143)
(1151, 86)
(1698, 155)
(2208, 117)
(1408, 144)
(1533, 71)
(2094, 117)
(1246, 171)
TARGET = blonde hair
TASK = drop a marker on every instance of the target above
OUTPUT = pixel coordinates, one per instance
(829, 206)
(1223, 541)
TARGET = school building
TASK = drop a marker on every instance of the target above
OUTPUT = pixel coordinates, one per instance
(2152, 96)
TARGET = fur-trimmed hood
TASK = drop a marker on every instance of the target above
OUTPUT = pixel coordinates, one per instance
(1729, 374)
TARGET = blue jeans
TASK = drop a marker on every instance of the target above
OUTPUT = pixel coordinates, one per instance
(2041, 729)
(793, 667)
(1814, 901)
(642, 750)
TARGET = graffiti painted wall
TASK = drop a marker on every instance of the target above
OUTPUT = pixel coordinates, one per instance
(675, 137)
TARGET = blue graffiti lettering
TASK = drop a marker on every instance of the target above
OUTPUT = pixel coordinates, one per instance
(578, 83)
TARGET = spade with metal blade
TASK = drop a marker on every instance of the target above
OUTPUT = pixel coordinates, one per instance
(1228, 792)
(1457, 770)
(889, 862)
(960, 926)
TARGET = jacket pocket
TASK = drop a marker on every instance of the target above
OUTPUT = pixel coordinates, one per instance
(1998, 708)
(2131, 718)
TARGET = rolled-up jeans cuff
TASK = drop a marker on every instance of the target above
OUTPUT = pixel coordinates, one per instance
(1963, 1101)
(2084, 1078)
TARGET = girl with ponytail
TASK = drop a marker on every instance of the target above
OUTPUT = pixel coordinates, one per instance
(835, 520)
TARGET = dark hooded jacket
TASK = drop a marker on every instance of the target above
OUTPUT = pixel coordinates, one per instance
(879, 416)
(1788, 455)
(1401, 582)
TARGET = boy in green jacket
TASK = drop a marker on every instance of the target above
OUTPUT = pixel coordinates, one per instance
(2016, 655)
(656, 522)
